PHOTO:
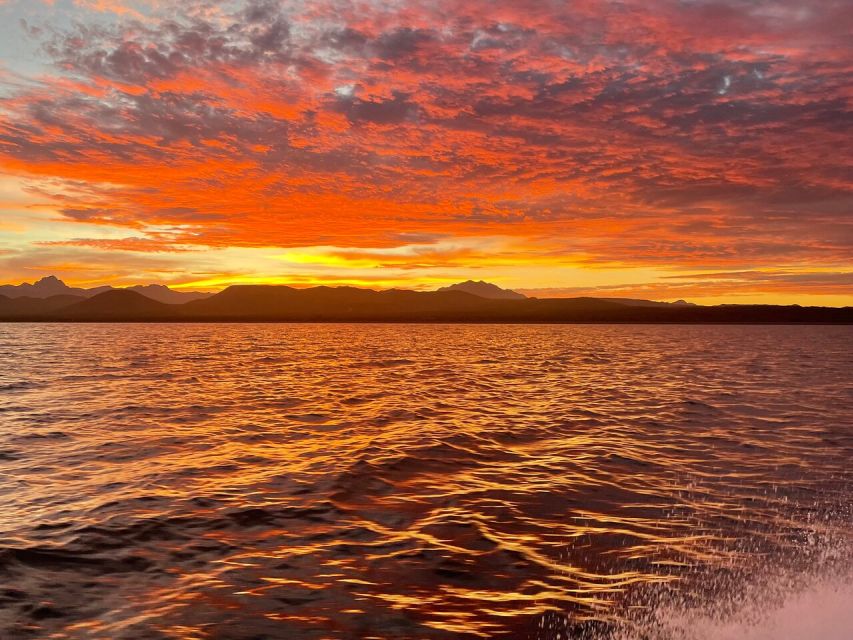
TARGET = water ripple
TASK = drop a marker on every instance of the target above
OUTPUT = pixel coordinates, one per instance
(406, 481)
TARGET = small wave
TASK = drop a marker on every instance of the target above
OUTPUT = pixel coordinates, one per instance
(52, 559)
(45, 435)
(311, 418)
(382, 364)
(17, 386)
(92, 377)
(697, 406)
(365, 398)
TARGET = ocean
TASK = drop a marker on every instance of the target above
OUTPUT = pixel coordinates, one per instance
(370, 481)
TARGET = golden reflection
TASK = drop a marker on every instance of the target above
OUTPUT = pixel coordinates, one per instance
(461, 480)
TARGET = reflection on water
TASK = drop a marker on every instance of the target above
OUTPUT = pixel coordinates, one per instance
(407, 481)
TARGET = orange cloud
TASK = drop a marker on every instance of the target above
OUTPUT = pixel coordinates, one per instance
(660, 134)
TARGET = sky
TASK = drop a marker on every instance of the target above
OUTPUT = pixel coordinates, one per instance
(660, 149)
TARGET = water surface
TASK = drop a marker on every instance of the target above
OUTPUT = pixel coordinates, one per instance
(419, 481)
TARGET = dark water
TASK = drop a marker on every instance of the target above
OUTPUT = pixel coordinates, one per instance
(407, 481)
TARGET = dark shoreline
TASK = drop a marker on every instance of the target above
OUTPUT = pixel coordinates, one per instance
(258, 303)
(181, 321)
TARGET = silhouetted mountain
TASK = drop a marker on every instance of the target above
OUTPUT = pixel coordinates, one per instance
(116, 304)
(635, 302)
(348, 304)
(53, 286)
(162, 293)
(484, 290)
(26, 306)
(639, 302)
(338, 303)
(46, 287)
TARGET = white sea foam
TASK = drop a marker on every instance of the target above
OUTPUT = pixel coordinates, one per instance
(821, 611)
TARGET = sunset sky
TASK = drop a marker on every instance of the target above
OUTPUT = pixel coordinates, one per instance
(648, 148)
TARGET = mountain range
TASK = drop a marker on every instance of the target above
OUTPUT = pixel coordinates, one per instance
(53, 286)
(273, 303)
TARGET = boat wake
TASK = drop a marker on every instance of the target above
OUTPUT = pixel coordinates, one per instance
(819, 611)
(794, 603)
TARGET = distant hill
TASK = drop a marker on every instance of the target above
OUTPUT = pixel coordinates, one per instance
(265, 302)
(115, 304)
(638, 302)
(52, 286)
(349, 304)
(26, 306)
(484, 290)
(162, 293)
